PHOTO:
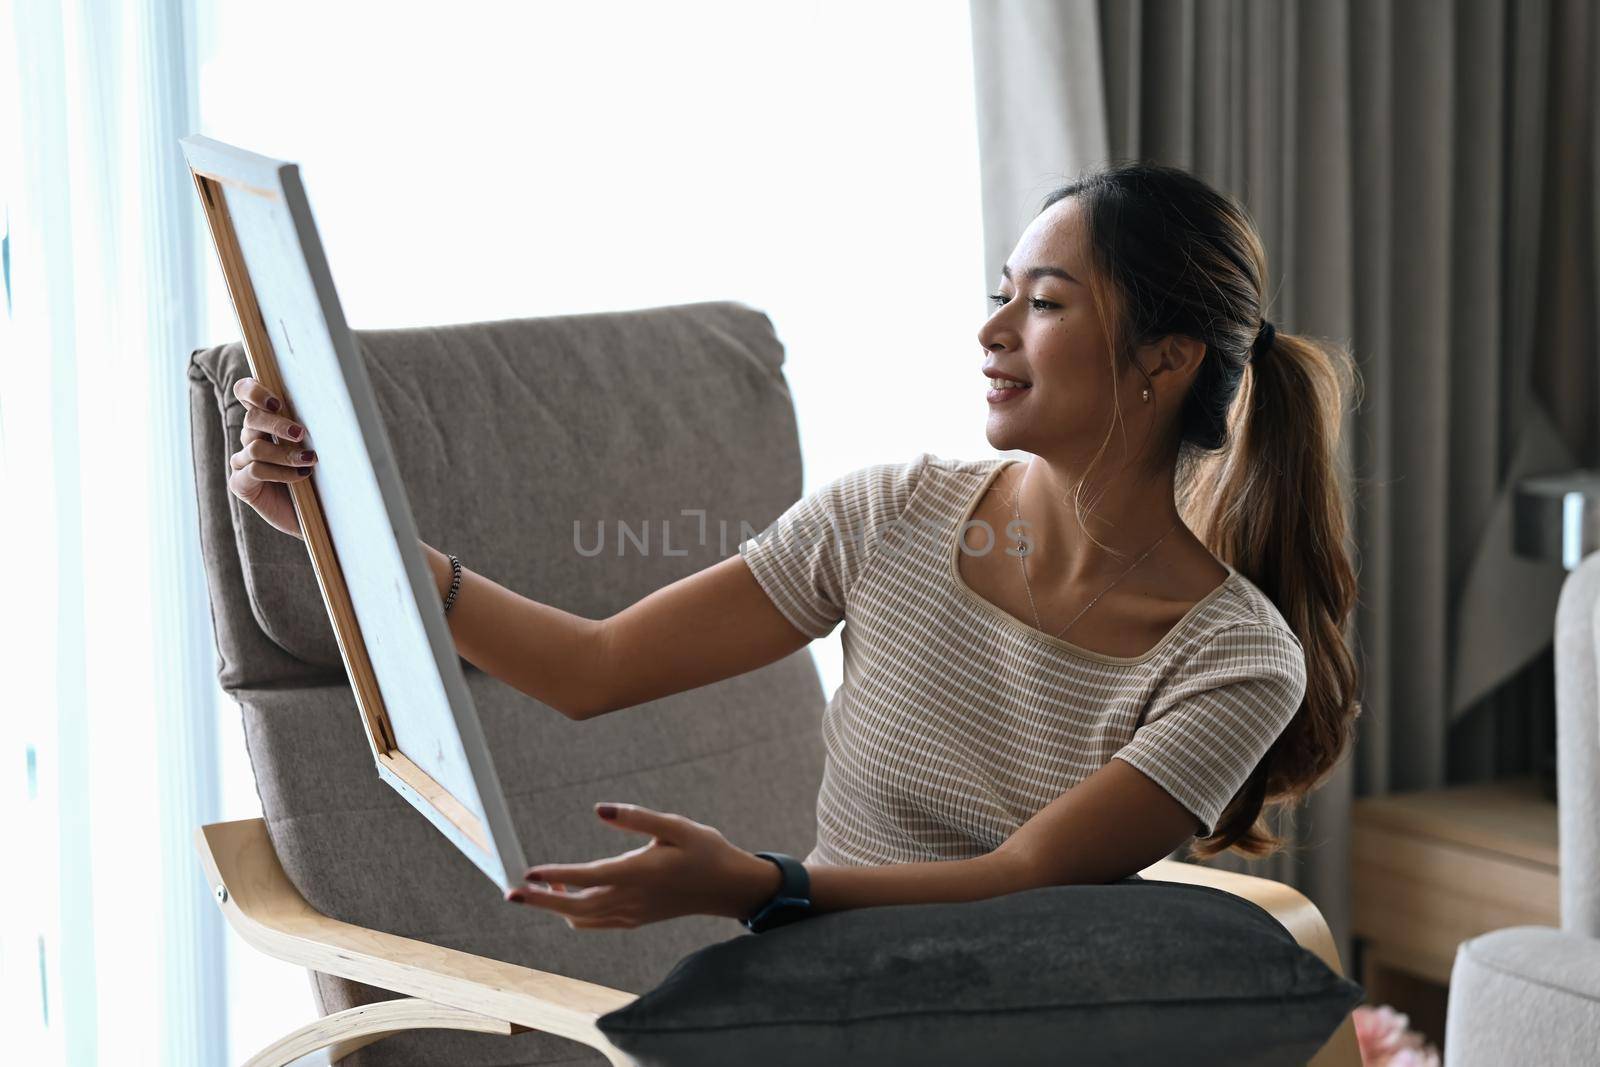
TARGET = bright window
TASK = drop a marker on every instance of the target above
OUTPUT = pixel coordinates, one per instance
(816, 161)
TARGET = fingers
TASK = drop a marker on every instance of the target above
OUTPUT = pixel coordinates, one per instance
(263, 451)
(597, 872)
(262, 413)
(580, 912)
(661, 824)
(253, 473)
(262, 461)
(259, 423)
(248, 483)
(252, 394)
(589, 903)
(260, 458)
(608, 884)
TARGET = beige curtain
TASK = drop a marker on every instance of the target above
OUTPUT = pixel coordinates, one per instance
(1424, 177)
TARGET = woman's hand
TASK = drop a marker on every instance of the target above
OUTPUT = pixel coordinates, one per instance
(688, 868)
(261, 468)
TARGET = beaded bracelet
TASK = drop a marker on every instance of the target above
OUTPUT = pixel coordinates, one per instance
(455, 583)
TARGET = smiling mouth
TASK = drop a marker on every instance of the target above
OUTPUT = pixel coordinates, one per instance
(1005, 391)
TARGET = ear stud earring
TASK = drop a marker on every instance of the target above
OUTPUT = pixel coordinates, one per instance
(1146, 394)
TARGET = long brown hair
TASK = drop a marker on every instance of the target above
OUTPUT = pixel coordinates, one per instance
(1256, 443)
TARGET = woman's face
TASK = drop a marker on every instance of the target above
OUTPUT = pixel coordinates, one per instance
(1045, 331)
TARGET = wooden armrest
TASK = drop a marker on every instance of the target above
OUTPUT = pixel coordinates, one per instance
(1295, 913)
(1286, 904)
(269, 913)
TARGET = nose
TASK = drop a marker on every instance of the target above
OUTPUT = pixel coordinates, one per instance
(993, 336)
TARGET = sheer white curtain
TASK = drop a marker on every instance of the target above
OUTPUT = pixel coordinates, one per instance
(113, 951)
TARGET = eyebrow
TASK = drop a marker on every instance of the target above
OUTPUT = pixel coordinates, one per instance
(1042, 272)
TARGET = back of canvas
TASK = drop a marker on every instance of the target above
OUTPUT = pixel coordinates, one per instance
(380, 594)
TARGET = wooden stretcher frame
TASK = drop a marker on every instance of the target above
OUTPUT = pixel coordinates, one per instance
(473, 814)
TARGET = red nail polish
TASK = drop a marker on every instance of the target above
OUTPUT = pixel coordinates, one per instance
(272, 403)
(607, 811)
(295, 432)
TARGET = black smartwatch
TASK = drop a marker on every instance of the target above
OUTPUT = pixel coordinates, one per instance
(792, 901)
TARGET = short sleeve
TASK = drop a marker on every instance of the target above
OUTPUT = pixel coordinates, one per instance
(812, 555)
(1215, 720)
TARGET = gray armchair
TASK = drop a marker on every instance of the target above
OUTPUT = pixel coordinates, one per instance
(1531, 994)
(506, 435)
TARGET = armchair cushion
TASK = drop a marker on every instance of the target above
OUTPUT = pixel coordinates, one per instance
(1138, 971)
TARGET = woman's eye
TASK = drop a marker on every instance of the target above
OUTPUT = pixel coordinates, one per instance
(999, 299)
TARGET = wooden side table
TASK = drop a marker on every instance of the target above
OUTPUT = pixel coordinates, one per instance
(1433, 869)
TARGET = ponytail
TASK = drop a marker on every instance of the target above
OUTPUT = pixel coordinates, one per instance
(1272, 505)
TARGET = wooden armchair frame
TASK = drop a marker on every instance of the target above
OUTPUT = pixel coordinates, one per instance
(445, 989)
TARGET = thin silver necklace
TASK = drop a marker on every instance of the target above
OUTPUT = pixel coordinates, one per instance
(1022, 553)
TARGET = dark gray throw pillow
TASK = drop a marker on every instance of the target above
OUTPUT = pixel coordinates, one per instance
(1133, 972)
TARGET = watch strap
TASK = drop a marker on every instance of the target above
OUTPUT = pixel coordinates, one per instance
(792, 900)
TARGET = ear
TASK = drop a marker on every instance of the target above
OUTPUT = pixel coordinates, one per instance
(1176, 355)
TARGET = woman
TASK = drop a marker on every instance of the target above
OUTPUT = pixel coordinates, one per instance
(1151, 649)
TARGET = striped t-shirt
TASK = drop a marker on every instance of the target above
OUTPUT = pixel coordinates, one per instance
(956, 722)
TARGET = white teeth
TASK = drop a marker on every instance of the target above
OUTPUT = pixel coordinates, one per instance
(1005, 383)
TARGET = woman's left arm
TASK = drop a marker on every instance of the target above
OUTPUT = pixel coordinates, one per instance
(1114, 823)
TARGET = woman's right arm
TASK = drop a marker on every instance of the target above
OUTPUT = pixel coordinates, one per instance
(706, 626)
